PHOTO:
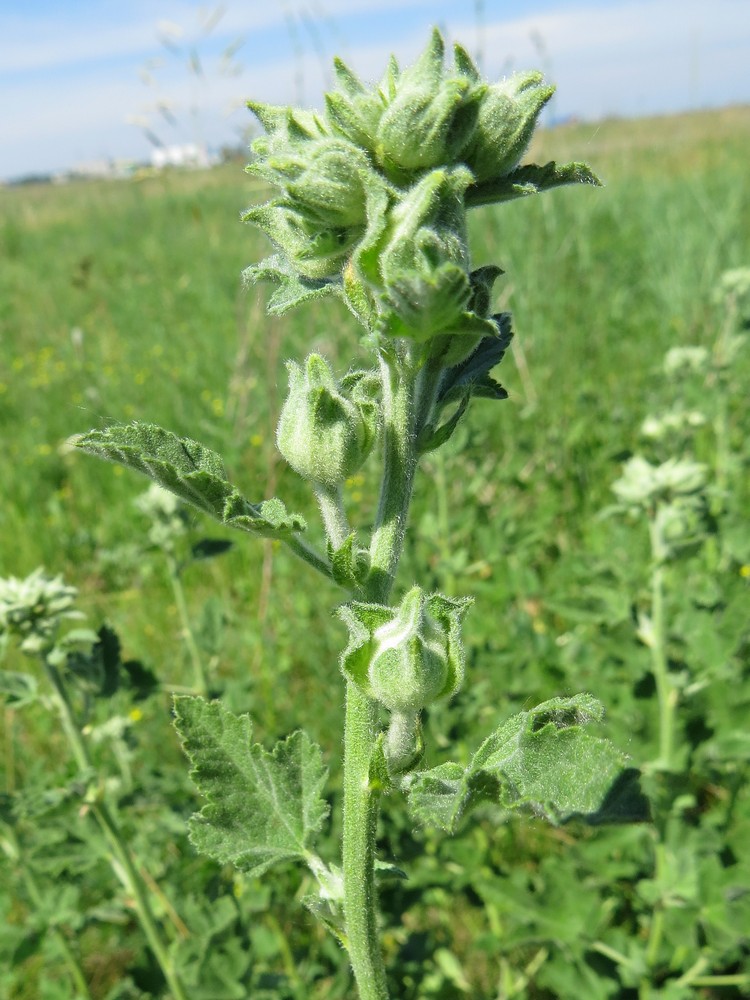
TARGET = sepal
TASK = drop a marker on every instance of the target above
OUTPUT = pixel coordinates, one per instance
(430, 118)
(316, 253)
(354, 112)
(325, 181)
(293, 289)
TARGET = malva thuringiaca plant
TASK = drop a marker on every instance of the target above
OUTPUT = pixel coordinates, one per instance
(372, 209)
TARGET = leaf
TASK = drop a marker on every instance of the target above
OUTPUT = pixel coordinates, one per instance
(431, 438)
(262, 808)
(471, 377)
(293, 288)
(530, 179)
(192, 472)
(542, 760)
(207, 548)
(474, 372)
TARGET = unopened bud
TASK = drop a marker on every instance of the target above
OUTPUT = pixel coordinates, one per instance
(507, 117)
(407, 657)
(325, 432)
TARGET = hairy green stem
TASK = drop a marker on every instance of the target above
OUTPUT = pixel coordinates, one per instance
(123, 863)
(656, 930)
(665, 690)
(400, 462)
(332, 511)
(200, 680)
(666, 694)
(361, 801)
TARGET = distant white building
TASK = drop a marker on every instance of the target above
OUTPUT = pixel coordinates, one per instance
(191, 154)
(103, 169)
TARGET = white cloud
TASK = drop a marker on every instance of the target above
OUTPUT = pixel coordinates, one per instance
(60, 40)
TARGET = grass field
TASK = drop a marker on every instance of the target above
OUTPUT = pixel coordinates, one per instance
(123, 300)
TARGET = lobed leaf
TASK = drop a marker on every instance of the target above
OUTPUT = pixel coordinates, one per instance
(542, 760)
(262, 808)
(192, 472)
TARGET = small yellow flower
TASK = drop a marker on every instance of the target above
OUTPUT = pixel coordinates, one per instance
(135, 715)
(745, 572)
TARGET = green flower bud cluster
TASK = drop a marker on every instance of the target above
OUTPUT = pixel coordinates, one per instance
(680, 360)
(32, 609)
(409, 656)
(435, 116)
(673, 423)
(672, 494)
(168, 516)
(374, 190)
(327, 429)
(643, 484)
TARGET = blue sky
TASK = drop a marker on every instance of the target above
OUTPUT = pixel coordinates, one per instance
(83, 81)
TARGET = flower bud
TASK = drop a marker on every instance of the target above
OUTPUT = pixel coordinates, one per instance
(506, 120)
(733, 291)
(353, 111)
(32, 609)
(325, 181)
(408, 657)
(431, 117)
(326, 430)
(419, 261)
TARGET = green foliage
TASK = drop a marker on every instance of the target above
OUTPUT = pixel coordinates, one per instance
(192, 472)
(507, 512)
(540, 760)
